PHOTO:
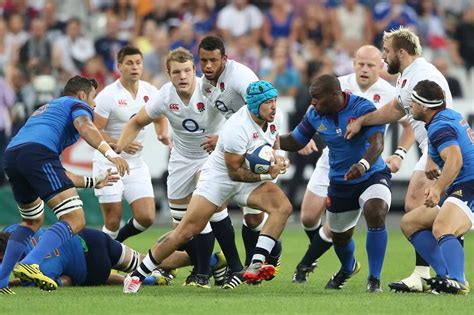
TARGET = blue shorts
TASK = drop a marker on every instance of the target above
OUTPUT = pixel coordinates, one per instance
(343, 198)
(464, 192)
(35, 171)
(103, 253)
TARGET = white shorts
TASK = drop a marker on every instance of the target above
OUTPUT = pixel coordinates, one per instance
(342, 221)
(133, 186)
(463, 206)
(217, 187)
(319, 181)
(421, 164)
(182, 175)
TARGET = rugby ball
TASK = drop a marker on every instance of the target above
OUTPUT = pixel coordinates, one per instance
(259, 158)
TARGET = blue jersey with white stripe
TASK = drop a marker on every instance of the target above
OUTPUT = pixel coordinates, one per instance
(447, 128)
(52, 125)
(343, 153)
(68, 260)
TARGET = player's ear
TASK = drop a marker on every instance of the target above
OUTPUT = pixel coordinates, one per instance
(82, 95)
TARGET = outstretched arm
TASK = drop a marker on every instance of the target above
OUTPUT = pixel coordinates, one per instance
(132, 128)
(389, 113)
(289, 143)
(93, 137)
(406, 140)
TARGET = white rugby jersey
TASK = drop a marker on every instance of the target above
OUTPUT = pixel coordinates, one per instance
(418, 71)
(228, 96)
(116, 104)
(379, 93)
(239, 134)
(190, 122)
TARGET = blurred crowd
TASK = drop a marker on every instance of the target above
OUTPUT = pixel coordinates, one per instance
(45, 42)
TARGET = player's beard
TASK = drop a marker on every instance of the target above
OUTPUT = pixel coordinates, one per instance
(394, 66)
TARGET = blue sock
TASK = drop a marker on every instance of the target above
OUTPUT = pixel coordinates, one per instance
(15, 248)
(346, 256)
(453, 254)
(213, 261)
(376, 244)
(53, 238)
(425, 244)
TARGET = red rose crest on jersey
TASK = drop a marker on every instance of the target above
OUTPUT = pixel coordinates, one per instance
(273, 128)
(255, 135)
(376, 98)
(403, 83)
(222, 86)
(122, 103)
(200, 107)
(347, 91)
(146, 98)
(174, 107)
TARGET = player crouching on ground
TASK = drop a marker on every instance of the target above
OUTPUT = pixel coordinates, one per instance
(433, 229)
(225, 177)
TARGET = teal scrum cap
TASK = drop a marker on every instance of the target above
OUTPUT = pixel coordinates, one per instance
(257, 93)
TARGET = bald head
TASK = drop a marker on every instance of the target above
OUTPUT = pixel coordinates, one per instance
(367, 66)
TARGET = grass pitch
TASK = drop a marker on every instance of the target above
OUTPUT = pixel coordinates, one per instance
(278, 296)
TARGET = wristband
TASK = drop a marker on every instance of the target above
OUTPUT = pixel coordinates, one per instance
(401, 152)
(364, 164)
(110, 154)
(103, 142)
(265, 177)
(89, 182)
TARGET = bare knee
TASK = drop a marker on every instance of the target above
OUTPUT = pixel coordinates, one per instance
(310, 218)
(285, 209)
(146, 220)
(375, 212)
(440, 228)
(342, 239)
(407, 226)
(253, 220)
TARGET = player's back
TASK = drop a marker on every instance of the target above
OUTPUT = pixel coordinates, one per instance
(52, 125)
(449, 127)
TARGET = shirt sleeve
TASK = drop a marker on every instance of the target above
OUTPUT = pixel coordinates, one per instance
(232, 141)
(304, 132)
(80, 109)
(443, 137)
(155, 105)
(103, 105)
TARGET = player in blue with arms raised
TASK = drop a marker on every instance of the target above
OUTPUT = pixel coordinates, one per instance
(433, 229)
(359, 178)
(32, 163)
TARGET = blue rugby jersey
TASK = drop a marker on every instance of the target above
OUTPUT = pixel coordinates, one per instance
(52, 125)
(447, 128)
(343, 153)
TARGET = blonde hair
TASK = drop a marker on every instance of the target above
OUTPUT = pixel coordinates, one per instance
(180, 55)
(404, 38)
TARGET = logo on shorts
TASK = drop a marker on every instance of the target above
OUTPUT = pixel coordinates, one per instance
(174, 107)
(384, 181)
(376, 98)
(200, 107)
(322, 127)
(122, 103)
(146, 98)
(457, 193)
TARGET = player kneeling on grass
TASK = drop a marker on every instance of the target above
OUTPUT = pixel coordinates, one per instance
(433, 229)
(359, 178)
(85, 259)
(224, 177)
